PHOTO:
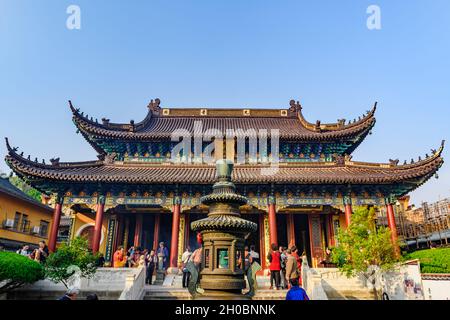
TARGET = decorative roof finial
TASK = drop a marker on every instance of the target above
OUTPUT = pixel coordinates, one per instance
(154, 105)
(294, 106)
(54, 161)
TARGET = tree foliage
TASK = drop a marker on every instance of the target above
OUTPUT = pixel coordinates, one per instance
(69, 259)
(17, 270)
(363, 245)
(23, 186)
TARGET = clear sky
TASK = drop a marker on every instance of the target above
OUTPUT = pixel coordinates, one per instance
(224, 53)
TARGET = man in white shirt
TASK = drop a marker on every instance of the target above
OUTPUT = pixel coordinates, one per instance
(185, 259)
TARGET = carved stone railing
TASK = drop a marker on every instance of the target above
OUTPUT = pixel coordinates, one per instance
(107, 283)
(312, 282)
(134, 286)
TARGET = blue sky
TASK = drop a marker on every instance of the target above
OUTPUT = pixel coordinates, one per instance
(227, 53)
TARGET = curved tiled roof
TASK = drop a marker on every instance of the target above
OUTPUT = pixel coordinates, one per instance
(344, 172)
(8, 188)
(160, 123)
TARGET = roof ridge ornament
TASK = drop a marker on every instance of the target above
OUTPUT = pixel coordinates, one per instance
(154, 106)
(393, 162)
(74, 110)
(54, 162)
(295, 107)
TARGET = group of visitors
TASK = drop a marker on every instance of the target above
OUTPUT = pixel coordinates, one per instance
(39, 254)
(285, 271)
(73, 293)
(136, 257)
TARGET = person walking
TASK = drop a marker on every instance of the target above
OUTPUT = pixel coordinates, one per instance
(298, 258)
(152, 261)
(291, 267)
(184, 260)
(255, 266)
(296, 292)
(283, 258)
(275, 266)
(254, 255)
(163, 254)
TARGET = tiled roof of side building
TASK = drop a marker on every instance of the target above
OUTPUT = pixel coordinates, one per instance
(8, 188)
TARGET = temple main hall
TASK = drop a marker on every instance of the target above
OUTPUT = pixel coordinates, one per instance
(133, 194)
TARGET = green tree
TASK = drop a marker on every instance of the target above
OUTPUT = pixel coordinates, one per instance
(363, 245)
(17, 270)
(23, 186)
(70, 259)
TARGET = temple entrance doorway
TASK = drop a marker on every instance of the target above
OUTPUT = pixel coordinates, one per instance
(254, 237)
(148, 231)
(165, 229)
(282, 234)
(302, 239)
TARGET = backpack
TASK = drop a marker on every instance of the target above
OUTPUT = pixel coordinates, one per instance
(283, 262)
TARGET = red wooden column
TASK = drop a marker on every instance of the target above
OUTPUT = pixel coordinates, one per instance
(138, 230)
(348, 210)
(175, 232)
(55, 224)
(290, 229)
(391, 224)
(262, 247)
(156, 232)
(272, 222)
(98, 224)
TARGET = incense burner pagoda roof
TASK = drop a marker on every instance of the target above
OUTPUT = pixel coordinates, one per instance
(341, 171)
(161, 122)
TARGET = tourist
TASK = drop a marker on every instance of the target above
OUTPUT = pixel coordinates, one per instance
(152, 261)
(283, 258)
(294, 252)
(184, 260)
(24, 251)
(119, 258)
(141, 262)
(248, 270)
(194, 266)
(70, 294)
(92, 297)
(254, 254)
(133, 259)
(327, 263)
(291, 266)
(35, 255)
(43, 252)
(163, 256)
(274, 259)
(296, 292)
(255, 266)
(196, 257)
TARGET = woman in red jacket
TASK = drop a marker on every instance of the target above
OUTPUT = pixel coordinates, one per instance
(275, 266)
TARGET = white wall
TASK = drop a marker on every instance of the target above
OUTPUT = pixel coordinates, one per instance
(436, 289)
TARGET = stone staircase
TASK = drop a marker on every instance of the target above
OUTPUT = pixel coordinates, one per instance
(172, 290)
(338, 287)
